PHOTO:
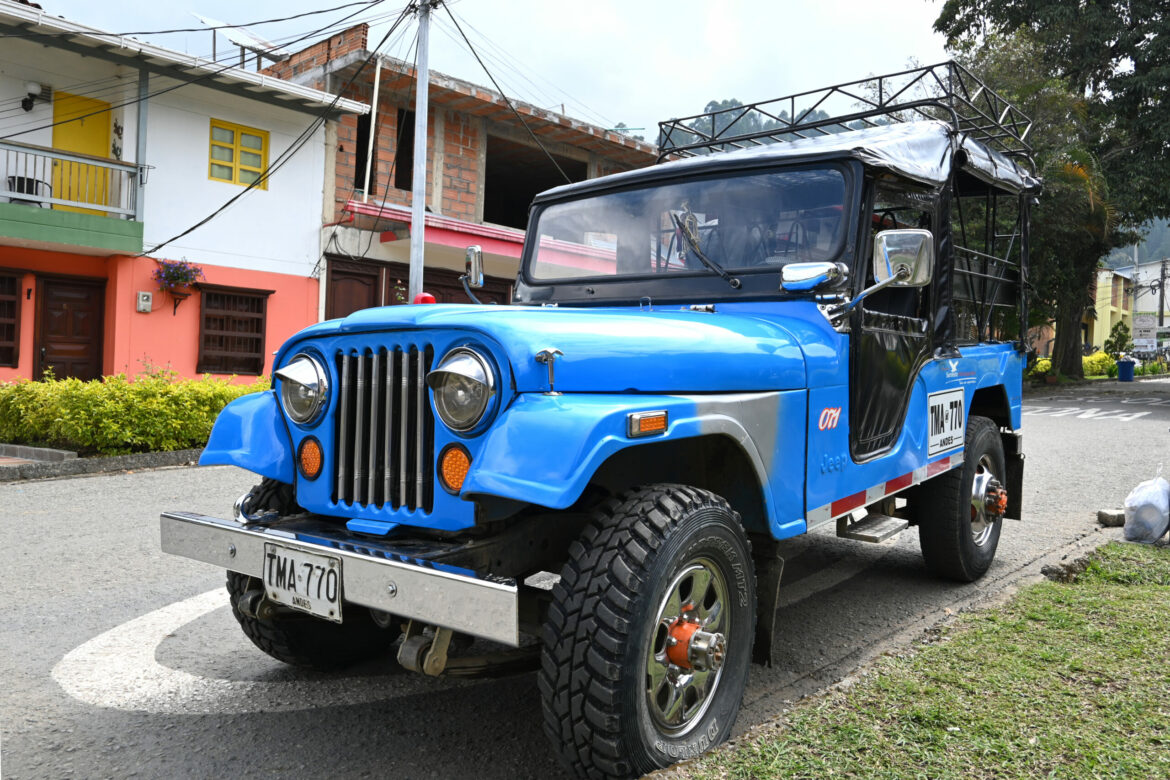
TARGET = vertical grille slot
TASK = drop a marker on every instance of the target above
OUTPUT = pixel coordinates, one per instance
(385, 429)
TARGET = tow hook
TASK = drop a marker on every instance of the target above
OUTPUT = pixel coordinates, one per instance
(255, 604)
(996, 499)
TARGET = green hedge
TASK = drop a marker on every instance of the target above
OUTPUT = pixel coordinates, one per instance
(1041, 369)
(1097, 364)
(116, 415)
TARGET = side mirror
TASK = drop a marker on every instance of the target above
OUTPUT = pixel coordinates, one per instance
(800, 277)
(897, 249)
(475, 267)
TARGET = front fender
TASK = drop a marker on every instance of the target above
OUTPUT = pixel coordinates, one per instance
(250, 433)
(544, 449)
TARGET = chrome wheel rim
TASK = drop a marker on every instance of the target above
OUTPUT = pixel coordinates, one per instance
(695, 605)
(982, 521)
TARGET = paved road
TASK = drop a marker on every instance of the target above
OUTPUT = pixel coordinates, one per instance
(119, 661)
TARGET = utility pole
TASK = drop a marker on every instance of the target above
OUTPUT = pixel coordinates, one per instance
(418, 197)
(1162, 295)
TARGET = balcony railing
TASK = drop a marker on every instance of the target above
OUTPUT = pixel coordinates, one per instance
(48, 178)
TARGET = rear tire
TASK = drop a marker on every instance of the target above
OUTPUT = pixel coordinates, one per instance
(306, 641)
(957, 535)
(647, 569)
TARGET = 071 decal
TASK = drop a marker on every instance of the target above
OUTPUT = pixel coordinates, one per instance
(830, 416)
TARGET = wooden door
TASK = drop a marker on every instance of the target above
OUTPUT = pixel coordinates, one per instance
(350, 287)
(69, 327)
(81, 125)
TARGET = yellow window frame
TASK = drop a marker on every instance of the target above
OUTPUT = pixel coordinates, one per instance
(241, 173)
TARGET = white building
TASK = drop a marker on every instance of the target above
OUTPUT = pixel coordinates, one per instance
(109, 147)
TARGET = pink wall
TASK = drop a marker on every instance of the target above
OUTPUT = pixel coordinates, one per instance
(166, 337)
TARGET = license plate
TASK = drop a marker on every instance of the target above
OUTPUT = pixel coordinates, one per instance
(303, 580)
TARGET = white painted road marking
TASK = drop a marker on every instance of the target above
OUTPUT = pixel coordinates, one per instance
(118, 670)
(1080, 413)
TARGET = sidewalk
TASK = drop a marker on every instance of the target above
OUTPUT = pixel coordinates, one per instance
(35, 463)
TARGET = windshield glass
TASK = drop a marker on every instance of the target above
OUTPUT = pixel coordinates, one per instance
(742, 224)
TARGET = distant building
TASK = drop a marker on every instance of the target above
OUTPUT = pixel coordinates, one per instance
(1112, 294)
(483, 168)
(108, 146)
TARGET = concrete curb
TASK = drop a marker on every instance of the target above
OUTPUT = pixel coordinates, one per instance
(35, 453)
(78, 466)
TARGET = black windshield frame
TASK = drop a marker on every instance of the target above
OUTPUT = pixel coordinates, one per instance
(701, 285)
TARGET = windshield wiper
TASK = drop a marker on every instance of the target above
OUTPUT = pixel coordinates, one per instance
(693, 242)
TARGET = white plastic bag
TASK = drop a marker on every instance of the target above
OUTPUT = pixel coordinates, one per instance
(1147, 511)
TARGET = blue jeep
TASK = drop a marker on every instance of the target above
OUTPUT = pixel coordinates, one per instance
(816, 320)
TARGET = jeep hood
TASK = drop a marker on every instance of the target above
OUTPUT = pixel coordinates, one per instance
(608, 350)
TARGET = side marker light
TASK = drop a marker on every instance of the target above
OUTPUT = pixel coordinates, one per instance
(646, 424)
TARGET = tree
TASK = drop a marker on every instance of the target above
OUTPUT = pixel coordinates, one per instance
(625, 129)
(1115, 55)
(1077, 221)
(1118, 341)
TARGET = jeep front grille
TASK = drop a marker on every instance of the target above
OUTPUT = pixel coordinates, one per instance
(385, 429)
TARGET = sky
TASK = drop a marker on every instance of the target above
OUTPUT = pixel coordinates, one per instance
(606, 61)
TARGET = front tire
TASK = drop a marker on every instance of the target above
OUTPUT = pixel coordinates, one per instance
(306, 641)
(958, 530)
(620, 698)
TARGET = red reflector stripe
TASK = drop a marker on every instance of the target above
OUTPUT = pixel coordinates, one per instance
(848, 504)
(938, 467)
(904, 481)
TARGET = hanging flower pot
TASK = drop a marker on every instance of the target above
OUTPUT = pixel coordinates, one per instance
(174, 277)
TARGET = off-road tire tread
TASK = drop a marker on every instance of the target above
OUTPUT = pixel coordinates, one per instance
(594, 600)
(307, 641)
(937, 506)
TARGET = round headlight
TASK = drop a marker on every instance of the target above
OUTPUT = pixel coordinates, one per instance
(304, 388)
(463, 384)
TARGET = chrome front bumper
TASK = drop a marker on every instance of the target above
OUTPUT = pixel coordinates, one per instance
(374, 573)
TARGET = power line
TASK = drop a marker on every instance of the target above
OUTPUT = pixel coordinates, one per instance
(194, 80)
(475, 54)
(206, 27)
(353, 185)
(505, 55)
(285, 156)
(99, 88)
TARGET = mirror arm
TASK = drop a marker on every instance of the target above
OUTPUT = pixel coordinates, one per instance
(841, 310)
(467, 289)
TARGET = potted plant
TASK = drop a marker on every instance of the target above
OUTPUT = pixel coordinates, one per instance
(174, 276)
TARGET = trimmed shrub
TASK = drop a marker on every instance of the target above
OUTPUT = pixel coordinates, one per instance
(1042, 368)
(116, 415)
(1097, 364)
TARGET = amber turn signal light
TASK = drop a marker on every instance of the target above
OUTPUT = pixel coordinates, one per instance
(453, 465)
(309, 458)
(645, 424)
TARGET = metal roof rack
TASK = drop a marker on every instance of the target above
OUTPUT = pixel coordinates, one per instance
(946, 91)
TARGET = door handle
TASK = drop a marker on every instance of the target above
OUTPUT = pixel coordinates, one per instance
(42, 354)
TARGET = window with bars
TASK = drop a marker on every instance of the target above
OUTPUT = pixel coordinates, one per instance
(231, 330)
(238, 154)
(9, 319)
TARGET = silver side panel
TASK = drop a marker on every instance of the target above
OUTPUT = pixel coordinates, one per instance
(460, 602)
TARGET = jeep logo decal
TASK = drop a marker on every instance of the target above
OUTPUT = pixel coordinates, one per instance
(830, 416)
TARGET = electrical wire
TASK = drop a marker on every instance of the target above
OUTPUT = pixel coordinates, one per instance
(394, 157)
(194, 80)
(518, 66)
(285, 156)
(206, 27)
(475, 54)
(332, 240)
(101, 88)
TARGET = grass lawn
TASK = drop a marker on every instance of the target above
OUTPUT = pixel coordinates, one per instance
(1065, 680)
